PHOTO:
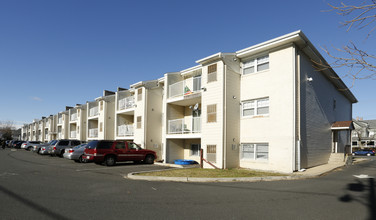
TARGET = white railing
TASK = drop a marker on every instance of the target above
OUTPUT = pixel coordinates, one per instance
(93, 111)
(73, 117)
(178, 126)
(126, 103)
(47, 125)
(125, 130)
(60, 121)
(73, 134)
(93, 132)
(185, 87)
(46, 136)
(59, 135)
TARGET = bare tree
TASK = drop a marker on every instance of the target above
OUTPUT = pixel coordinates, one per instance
(6, 128)
(361, 64)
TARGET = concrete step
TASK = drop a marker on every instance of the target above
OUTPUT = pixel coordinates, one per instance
(336, 158)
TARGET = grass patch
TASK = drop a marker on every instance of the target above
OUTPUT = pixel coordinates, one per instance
(210, 173)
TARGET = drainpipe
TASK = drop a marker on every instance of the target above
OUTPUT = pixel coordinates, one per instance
(145, 115)
(224, 141)
(296, 76)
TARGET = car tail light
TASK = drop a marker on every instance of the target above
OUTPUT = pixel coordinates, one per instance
(95, 152)
(43, 148)
(55, 148)
(71, 151)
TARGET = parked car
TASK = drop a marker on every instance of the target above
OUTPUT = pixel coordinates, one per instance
(28, 145)
(37, 147)
(75, 153)
(17, 144)
(58, 149)
(364, 153)
(110, 152)
(45, 150)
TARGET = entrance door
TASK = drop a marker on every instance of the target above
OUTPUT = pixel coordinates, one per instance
(335, 142)
(196, 121)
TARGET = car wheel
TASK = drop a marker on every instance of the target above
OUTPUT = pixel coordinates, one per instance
(149, 159)
(109, 161)
(81, 160)
(61, 153)
(29, 148)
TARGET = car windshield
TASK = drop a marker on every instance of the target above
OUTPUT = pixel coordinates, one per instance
(52, 142)
(79, 146)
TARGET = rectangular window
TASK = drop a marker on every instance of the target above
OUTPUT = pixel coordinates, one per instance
(212, 153)
(256, 65)
(101, 105)
(101, 127)
(255, 107)
(138, 121)
(212, 73)
(139, 94)
(252, 151)
(195, 149)
(212, 113)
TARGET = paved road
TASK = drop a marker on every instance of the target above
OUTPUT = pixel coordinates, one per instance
(42, 187)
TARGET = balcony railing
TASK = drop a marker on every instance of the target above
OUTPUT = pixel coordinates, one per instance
(93, 111)
(59, 135)
(60, 121)
(73, 134)
(47, 124)
(126, 103)
(178, 126)
(185, 87)
(46, 136)
(125, 130)
(73, 117)
(93, 132)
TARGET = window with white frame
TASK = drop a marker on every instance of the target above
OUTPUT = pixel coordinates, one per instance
(256, 65)
(255, 107)
(255, 151)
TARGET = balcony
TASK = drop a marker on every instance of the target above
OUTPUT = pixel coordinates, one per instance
(73, 117)
(73, 134)
(46, 136)
(126, 103)
(125, 130)
(178, 126)
(59, 135)
(93, 111)
(93, 132)
(60, 121)
(185, 87)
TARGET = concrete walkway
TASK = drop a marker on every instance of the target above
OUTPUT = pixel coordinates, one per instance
(308, 173)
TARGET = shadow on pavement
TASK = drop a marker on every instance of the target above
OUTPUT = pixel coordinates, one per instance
(32, 204)
(367, 198)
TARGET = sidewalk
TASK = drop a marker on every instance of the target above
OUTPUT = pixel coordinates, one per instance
(308, 173)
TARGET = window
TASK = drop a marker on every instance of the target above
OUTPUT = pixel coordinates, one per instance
(195, 149)
(255, 107)
(255, 151)
(256, 65)
(101, 105)
(133, 146)
(101, 127)
(212, 113)
(138, 121)
(120, 145)
(75, 143)
(212, 153)
(212, 73)
(139, 94)
(63, 143)
(105, 145)
(334, 104)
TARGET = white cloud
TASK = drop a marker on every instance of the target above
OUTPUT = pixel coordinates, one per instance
(37, 99)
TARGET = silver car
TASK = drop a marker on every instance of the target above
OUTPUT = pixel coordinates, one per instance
(44, 150)
(75, 153)
(28, 145)
(37, 147)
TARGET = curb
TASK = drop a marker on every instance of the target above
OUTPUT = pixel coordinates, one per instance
(133, 176)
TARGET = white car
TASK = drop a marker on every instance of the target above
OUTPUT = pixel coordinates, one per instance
(28, 145)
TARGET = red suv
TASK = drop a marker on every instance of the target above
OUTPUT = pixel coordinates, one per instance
(110, 152)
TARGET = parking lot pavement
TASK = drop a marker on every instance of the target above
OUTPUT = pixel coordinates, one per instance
(119, 169)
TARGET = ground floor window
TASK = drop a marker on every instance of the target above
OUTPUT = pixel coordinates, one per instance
(255, 151)
(195, 149)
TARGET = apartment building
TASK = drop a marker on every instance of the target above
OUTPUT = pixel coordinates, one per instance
(138, 115)
(265, 107)
(62, 124)
(77, 122)
(100, 117)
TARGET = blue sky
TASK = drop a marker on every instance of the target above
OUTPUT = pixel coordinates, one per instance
(57, 53)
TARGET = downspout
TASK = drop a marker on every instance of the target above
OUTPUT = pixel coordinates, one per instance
(145, 116)
(224, 141)
(297, 143)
